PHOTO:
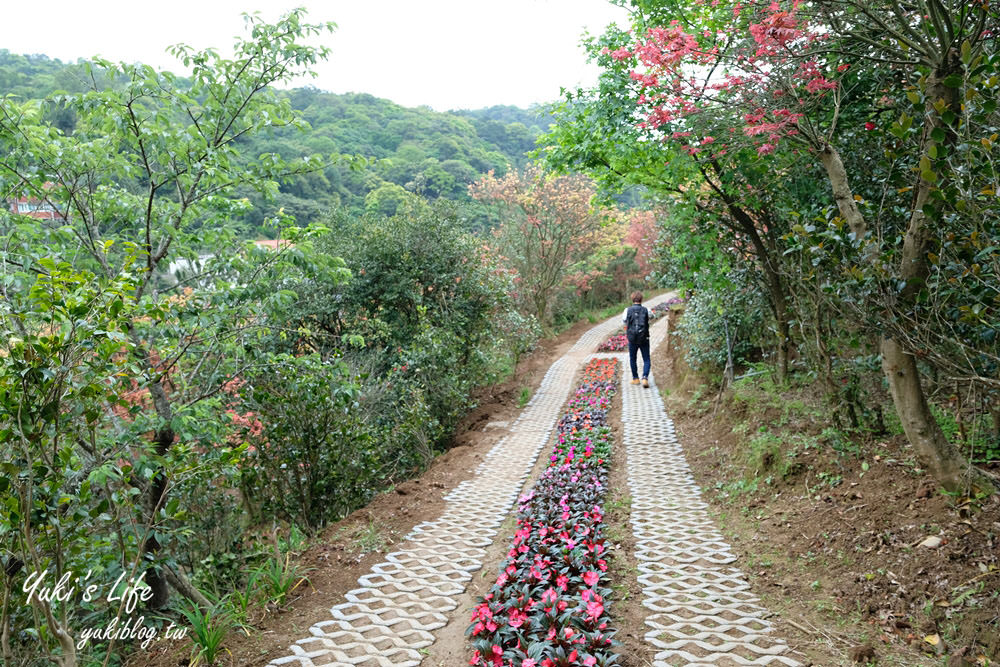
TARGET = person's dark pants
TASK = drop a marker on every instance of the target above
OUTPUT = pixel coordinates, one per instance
(639, 347)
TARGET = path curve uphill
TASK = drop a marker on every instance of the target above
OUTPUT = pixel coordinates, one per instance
(702, 611)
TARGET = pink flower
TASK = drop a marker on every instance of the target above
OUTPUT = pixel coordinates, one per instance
(517, 618)
(591, 578)
(594, 609)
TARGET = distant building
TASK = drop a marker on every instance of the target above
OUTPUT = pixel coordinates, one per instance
(34, 208)
(274, 244)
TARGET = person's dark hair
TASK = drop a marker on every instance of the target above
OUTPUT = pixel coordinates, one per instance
(636, 297)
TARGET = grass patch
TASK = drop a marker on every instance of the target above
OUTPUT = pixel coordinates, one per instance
(523, 397)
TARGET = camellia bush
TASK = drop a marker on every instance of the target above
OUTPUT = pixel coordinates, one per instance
(547, 607)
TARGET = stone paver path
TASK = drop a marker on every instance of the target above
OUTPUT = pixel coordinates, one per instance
(702, 612)
(394, 612)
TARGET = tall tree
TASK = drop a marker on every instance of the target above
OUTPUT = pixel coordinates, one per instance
(547, 223)
(144, 184)
(714, 82)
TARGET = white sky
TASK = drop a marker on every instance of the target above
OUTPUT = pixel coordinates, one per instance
(446, 54)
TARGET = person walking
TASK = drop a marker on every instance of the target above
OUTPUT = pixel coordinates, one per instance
(636, 320)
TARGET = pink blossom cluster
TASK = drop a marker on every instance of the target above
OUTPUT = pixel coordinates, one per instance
(775, 64)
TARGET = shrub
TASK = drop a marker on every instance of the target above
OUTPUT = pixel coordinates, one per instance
(309, 458)
(706, 318)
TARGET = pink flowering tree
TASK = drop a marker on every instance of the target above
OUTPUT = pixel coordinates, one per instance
(548, 222)
(732, 104)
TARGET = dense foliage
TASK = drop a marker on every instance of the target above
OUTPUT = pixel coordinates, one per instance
(835, 158)
(173, 399)
(419, 151)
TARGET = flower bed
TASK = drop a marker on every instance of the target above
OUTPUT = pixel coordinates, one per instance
(615, 343)
(664, 306)
(546, 608)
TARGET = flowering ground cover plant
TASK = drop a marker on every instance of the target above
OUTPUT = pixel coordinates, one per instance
(664, 306)
(615, 343)
(547, 607)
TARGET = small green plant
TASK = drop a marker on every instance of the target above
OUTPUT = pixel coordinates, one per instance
(371, 538)
(623, 502)
(523, 397)
(296, 541)
(829, 479)
(241, 599)
(279, 578)
(765, 454)
(209, 628)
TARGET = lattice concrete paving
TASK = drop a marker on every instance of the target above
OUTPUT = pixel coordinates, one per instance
(701, 609)
(402, 601)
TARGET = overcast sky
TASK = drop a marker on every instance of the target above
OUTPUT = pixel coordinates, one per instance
(446, 54)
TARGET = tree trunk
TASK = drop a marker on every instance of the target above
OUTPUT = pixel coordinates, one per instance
(182, 585)
(943, 459)
(777, 297)
(156, 497)
(923, 432)
(842, 192)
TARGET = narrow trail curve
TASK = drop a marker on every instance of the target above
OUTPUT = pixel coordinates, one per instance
(702, 612)
(391, 618)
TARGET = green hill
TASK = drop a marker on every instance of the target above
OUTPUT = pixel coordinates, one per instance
(435, 154)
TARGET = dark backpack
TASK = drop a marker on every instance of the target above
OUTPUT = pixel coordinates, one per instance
(637, 323)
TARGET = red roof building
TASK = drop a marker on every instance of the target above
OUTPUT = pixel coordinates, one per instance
(34, 209)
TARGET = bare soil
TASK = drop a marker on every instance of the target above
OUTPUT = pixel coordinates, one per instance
(837, 544)
(348, 548)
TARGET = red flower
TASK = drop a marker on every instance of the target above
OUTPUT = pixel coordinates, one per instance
(869, 126)
(594, 609)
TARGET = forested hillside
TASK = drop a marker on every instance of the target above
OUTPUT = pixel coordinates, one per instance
(432, 154)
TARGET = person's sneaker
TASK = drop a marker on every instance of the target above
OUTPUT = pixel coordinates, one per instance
(635, 380)
(645, 383)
